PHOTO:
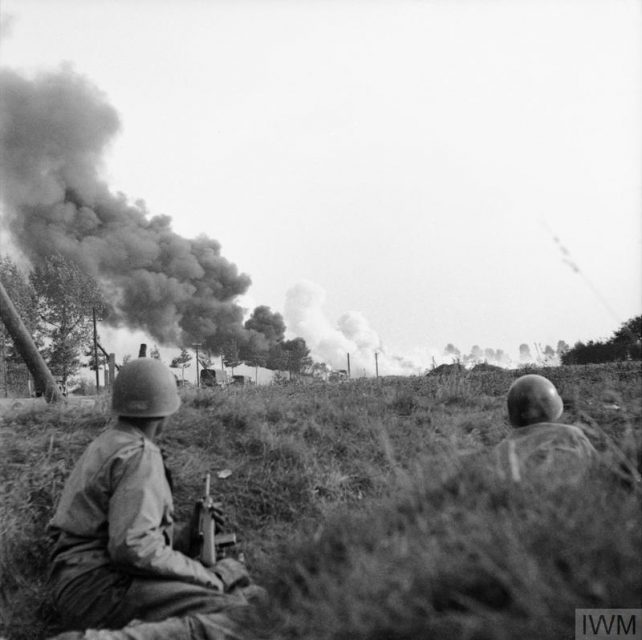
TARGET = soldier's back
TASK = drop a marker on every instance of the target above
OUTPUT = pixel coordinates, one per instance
(544, 451)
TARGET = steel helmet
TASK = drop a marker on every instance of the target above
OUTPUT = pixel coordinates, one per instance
(145, 388)
(533, 399)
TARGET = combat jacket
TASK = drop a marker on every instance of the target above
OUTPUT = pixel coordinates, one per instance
(117, 511)
(546, 451)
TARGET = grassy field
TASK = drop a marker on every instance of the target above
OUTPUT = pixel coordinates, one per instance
(369, 509)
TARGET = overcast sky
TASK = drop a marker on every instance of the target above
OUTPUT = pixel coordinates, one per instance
(409, 161)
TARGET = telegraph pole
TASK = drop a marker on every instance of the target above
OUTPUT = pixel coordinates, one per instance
(196, 345)
(377, 365)
(348, 364)
(112, 368)
(96, 350)
(4, 365)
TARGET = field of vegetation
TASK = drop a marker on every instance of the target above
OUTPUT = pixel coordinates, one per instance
(369, 508)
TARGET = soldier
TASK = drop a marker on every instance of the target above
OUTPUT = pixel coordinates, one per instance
(114, 560)
(539, 447)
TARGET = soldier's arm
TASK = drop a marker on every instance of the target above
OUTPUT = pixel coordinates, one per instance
(138, 513)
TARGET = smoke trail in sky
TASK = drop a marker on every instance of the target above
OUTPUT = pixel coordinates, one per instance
(567, 258)
(53, 132)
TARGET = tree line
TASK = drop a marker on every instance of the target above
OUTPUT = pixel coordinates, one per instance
(57, 301)
(544, 354)
(283, 355)
(624, 344)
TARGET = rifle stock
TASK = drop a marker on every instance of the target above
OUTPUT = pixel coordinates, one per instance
(207, 527)
(211, 545)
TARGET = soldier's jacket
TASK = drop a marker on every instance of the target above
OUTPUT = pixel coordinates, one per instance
(117, 511)
(545, 450)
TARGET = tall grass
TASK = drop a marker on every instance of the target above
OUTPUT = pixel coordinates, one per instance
(462, 557)
(368, 508)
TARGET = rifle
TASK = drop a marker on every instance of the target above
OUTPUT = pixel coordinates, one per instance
(212, 546)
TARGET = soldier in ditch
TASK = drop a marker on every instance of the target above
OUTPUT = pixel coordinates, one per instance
(539, 446)
(115, 562)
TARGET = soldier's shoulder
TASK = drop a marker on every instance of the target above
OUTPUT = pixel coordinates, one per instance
(545, 449)
(549, 435)
(123, 441)
(547, 430)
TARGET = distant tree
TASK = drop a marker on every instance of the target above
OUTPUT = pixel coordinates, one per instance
(279, 378)
(268, 323)
(231, 356)
(254, 350)
(453, 351)
(320, 370)
(548, 353)
(290, 355)
(155, 353)
(277, 357)
(182, 361)
(66, 296)
(299, 360)
(490, 355)
(626, 344)
(525, 353)
(476, 353)
(501, 357)
(586, 353)
(127, 358)
(629, 336)
(562, 348)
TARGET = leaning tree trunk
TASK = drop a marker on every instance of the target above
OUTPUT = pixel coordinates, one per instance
(27, 349)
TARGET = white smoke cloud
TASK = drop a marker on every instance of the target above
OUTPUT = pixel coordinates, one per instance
(305, 317)
(330, 342)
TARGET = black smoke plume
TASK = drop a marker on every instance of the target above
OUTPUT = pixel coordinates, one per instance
(54, 129)
(268, 323)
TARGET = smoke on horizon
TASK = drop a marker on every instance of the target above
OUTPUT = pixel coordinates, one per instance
(54, 129)
(330, 342)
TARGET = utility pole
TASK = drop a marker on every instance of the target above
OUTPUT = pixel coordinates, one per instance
(4, 365)
(377, 365)
(25, 345)
(96, 350)
(196, 345)
(348, 365)
(112, 368)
